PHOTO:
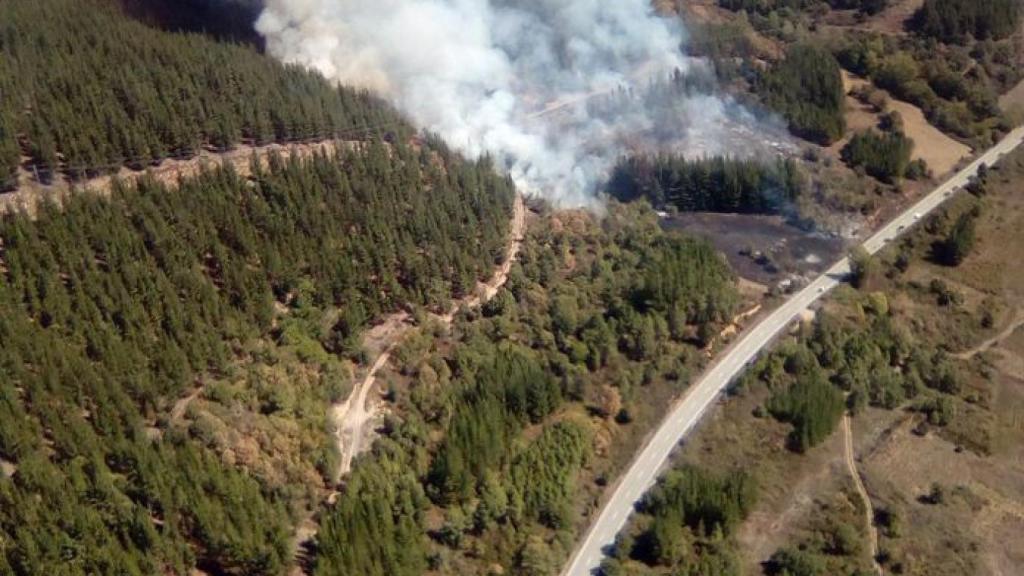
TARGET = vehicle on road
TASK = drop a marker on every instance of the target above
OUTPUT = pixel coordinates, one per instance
(634, 482)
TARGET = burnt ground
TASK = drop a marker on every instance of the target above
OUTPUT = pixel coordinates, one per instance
(765, 249)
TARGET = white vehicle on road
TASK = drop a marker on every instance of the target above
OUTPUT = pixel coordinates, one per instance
(684, 414)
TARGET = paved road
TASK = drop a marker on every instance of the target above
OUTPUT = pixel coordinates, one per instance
(644, 470)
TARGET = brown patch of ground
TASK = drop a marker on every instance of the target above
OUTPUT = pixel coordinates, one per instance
(940, 535)
(941, 152)
(1014, 99)
(30, 192)
(893, 19)
(791, 487)
(7, 469)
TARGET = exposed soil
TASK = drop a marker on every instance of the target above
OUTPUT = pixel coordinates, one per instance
(30, 192)
(7, 469)
(893, 19)
(941, 152)
(1014, 99)
(869, 511)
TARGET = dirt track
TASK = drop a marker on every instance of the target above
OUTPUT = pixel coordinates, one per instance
(351, 419)
(869, 511)
(1006, 333)
(30, 193)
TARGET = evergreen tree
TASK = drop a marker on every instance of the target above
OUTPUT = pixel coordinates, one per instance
(807, 88)
(957, 245)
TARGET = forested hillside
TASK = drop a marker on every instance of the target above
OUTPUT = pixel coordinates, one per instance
(505, 430)
(108, 308)
(85, 90)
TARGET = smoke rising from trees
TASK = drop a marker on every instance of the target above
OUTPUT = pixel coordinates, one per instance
(555, 90)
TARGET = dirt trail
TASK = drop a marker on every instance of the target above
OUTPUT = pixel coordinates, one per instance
(1017, 322)
(353, 416)
(179, 408)
(869, 511)
(31, 193)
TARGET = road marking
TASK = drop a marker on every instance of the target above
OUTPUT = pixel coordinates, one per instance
(698, 397)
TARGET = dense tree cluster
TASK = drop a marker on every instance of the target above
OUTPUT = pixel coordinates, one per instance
(766, 6)
(960, 20)
(770, 6)
(717, 184)
(228, 20)
(380, 532)
(957, 88)
(884, 155)
(863, 6)
(811, 404)
(691, 514)
(807, 88)
(503, 395)
(85, 90)
(680, 280)
(874, 362)
(501, 417)
(111, 307)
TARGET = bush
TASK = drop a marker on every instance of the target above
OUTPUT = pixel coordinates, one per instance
(885, 156)
(812, 405)
(952, 250)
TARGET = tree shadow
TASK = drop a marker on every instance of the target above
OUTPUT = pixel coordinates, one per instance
(230, 20)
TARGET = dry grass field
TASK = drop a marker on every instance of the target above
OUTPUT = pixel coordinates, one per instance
(976, 525)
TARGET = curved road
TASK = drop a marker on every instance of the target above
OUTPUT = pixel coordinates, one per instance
(644, 469)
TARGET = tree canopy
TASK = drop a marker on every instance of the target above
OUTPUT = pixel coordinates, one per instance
(959, 20)
(716, 184)
(807, 88)
(85, 90)
(112, 308)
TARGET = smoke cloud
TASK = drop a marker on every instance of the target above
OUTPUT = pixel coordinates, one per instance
(555, 90)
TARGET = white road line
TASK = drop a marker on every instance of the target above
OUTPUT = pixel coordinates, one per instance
(642, 473)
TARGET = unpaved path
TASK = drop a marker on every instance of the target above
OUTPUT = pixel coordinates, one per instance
(869, 510)
(1017, 322)
(179, 408)
(352, 417)
(30, 193)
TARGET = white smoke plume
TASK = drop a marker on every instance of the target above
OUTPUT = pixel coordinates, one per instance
(513, 78)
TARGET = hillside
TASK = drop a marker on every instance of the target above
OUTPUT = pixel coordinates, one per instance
(84, 90)
(256, 323)
(254, 288)
(921, 363)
